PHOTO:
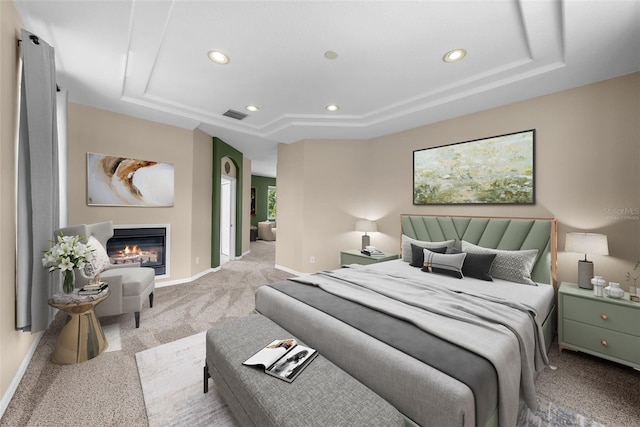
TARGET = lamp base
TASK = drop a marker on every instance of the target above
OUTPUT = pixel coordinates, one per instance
(366, 241)
(585, 274)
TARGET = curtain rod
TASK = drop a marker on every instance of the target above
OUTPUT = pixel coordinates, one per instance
(34, 40)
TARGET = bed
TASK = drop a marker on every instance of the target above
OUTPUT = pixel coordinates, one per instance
(412, 334)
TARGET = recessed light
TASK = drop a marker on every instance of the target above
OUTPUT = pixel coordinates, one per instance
(252, 108)
(332, 107)
(454, 55)
(218, 57)
(330, 54)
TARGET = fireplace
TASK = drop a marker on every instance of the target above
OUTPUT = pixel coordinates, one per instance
(146, 244)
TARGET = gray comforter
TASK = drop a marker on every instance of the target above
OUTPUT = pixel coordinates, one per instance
(503, 332)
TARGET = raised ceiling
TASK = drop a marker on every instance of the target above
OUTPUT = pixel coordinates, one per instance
(148, 59)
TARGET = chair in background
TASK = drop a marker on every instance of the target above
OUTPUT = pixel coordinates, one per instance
(265, 230)
(130, 284)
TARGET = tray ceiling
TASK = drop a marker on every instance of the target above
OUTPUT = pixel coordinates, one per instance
(148, 59)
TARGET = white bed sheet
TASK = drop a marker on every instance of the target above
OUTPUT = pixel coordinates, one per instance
(540, 298)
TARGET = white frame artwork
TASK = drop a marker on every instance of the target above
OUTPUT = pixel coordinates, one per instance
(122, 181)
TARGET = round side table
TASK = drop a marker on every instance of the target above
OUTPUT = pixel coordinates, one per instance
(82, 337)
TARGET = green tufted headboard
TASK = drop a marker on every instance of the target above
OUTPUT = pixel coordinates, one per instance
(496, 233)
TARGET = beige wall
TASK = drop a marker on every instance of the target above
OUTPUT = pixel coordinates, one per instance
(319, 193)
(99, 131)
(201, 202)
(14, 345)
(587, 164)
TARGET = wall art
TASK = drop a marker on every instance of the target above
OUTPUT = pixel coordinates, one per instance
(121, 181)
(495, 170)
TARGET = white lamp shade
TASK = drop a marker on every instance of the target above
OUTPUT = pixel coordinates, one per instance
(366, 226)
(587, 243)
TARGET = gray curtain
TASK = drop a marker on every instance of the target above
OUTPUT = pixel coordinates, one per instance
(38, 189)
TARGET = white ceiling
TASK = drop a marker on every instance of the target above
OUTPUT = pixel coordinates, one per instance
(148, 59)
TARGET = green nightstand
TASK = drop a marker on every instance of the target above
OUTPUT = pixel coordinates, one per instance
(354, 256)
(600, 326)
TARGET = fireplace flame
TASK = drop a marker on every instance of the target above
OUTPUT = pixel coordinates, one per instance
(134, 254)
(133, 250)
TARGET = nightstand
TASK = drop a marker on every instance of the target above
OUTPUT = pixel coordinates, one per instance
(600, 326)
(354, 256)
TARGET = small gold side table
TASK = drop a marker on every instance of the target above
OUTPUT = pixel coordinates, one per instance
(82, 337)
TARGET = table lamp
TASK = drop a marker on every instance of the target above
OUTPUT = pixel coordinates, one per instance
(366, 226)
(586, 243)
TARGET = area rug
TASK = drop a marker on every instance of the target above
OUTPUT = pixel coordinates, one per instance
(549, 414)
(113, 337)
(171, 378)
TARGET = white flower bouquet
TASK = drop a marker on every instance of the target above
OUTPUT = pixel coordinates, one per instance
(67, 254)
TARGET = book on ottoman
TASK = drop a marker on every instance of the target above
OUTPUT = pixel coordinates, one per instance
(283, 359)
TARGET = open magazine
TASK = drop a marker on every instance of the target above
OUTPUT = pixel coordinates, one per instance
(283, 359)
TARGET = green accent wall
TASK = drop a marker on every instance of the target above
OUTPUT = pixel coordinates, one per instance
(261, 184)
(221, 150)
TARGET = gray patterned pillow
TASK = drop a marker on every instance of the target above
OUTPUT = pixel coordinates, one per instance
(514, 266)
(407, 241)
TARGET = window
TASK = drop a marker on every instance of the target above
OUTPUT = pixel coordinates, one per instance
(271, 203)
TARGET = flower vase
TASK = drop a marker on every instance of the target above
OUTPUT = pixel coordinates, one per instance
(634, 292)
(69, 282)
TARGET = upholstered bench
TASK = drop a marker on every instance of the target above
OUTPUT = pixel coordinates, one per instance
(321, 395)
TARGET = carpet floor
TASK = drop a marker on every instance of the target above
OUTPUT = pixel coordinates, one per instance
(108, 390)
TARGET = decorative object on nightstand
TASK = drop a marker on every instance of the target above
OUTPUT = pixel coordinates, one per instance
(355, 256)
(586, 243)
(598, 285)
(614, 291)
(634, 290)
(366, 226)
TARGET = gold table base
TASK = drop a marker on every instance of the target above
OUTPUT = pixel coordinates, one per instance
(82, 337)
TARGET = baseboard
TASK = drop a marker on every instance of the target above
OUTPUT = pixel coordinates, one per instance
(288, 270)
(188, 280)
(197, 276)
(11, 390)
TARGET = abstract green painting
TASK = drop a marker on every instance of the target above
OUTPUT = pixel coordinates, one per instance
(495, 170)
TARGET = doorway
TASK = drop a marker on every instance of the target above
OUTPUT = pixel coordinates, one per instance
(227, 219)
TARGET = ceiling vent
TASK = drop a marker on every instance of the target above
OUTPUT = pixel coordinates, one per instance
(235, 114)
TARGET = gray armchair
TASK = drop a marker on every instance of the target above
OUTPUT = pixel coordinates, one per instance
(130, 284)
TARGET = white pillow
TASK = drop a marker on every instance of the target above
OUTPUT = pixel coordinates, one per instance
(99, 260)
(514, 266)
(407, 255)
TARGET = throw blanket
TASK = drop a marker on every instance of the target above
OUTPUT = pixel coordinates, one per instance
(505, 333)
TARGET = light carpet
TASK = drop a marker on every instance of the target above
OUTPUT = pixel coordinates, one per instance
(171, 377)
